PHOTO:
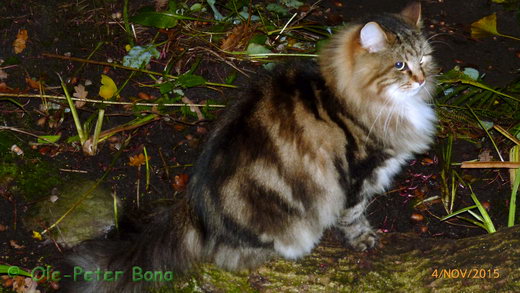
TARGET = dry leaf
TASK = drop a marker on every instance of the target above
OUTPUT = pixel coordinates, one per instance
(194, 109)
(485, 156)
(144, 96)
(180, 182)
(80, 93)
(160, 4)
(3, 74)
(15, 245)
(33, 83)
(485, 27)
(137, 160)
(238, 37)
(20, 43)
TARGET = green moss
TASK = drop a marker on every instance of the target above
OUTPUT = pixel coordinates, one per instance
(31, 175)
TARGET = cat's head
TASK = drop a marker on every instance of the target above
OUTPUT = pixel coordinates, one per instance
(384, 56)
(397, 53)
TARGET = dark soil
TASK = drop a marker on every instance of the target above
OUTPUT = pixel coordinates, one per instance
(75, 28)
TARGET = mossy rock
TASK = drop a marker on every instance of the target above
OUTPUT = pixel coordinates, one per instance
(92, 213)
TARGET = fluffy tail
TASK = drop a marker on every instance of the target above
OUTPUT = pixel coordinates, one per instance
(168, 246)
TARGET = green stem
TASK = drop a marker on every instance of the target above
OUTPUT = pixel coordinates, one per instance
(147, 168)
(97, 130)
(510, 37)
(126, 21)
(75, 116)
(512, 202)
(487, 132)
(486, 219)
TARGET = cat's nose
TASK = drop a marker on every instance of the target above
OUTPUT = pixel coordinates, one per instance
(419, 78)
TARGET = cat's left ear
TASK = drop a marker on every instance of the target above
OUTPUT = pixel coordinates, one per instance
(373, 38)
(412, 14)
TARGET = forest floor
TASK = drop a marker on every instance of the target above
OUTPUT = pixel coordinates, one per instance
(201, 61)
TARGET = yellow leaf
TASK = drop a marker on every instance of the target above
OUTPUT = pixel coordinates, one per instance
(19, 43)
(108, 88)
(138, 160)
(485, 27)
(37, 235)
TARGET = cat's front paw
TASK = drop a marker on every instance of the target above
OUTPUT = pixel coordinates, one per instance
(366, 240)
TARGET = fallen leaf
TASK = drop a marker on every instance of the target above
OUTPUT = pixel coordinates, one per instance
(427, 161)
(144, 96)
(137, 160)
(108, 88)
(180, 182)
(80, 93)
(238, 37)
(20, 43)
(34, 84)
(37, 235)
(417, 217)
(193, 108)
(485, 27)
(485, 156)
(3, 74)
(15, 245)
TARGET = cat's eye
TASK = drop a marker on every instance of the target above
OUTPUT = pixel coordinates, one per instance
(400, 65)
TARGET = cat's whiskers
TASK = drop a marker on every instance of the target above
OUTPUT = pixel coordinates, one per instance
(388, 119)
(383, 107)
(434, 36)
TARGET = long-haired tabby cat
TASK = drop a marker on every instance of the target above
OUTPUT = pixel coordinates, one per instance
(303, 150)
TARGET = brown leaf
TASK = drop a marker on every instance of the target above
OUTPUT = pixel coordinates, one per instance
(144, 96)
(33, 83)
(485, 156)
(137, 160)
(15, 245)
(20, 43)
(3, 74)
(80, 93)
(194, 109)
(180, 182)
(238, 37)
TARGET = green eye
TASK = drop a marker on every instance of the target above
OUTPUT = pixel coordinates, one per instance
(400, 65)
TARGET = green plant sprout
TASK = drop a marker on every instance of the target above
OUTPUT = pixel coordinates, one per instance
(482, 218)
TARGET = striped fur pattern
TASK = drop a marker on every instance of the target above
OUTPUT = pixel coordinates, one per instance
(304, 150)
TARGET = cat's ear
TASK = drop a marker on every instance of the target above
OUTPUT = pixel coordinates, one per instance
(412, 14)
(373, 38)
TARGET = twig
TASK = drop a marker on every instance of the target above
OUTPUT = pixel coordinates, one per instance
(73, 171)
(490, 165)
(107, 102)
(24, 132)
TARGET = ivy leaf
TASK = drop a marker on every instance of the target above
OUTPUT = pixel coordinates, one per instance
(140, 56)
(257, 49)
(156, 19)
(188, 80)
(485, 27)
(108, 88)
